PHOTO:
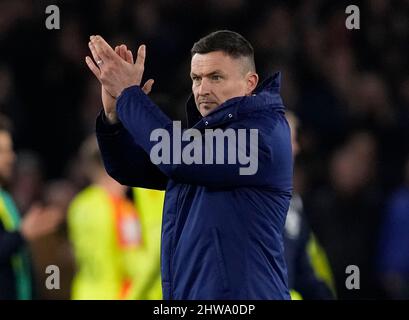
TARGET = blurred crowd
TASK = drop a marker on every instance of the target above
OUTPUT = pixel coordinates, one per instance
(349, 89)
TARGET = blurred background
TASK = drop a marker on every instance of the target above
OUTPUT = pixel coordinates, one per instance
(349, 89)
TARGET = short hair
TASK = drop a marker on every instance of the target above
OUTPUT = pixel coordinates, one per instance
(229, 42)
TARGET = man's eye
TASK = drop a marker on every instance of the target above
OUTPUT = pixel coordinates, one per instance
(216, 77)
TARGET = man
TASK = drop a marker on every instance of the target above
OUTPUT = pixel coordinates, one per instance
(221, 230)
(104, 230)
(309, 274)
(15, 274)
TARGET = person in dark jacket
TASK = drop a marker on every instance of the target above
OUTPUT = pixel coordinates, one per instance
(305, 279)
(16, 232)
(222, 232)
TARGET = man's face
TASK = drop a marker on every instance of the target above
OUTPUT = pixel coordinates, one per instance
(7, 156)
(217, 77)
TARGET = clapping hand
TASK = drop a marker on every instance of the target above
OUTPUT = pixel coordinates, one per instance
(116, 70)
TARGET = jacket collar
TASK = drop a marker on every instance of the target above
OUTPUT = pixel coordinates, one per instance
(265, 95)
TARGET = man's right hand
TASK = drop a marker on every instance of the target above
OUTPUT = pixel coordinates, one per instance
(40, 221)
(108, 101)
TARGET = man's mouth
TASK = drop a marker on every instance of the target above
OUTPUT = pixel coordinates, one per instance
(206, 102)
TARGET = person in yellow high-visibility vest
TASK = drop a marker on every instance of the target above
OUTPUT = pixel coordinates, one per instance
(149, 204)
(105, 233)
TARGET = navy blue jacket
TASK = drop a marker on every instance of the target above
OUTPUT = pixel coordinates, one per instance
(221, 231)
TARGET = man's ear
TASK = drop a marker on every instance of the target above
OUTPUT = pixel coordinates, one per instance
(252, 81)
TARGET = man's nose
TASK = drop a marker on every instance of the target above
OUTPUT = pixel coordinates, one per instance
(204, 88)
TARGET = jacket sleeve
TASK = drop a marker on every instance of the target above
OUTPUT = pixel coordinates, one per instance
(124, 160)
(141, 117)
(10, 244)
